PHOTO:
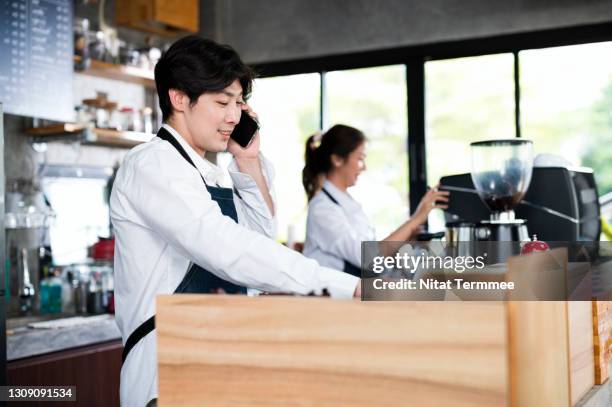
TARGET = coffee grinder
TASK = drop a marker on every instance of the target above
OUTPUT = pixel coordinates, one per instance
(501, 173)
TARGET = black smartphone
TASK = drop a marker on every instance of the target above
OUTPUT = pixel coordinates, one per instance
(245, 130)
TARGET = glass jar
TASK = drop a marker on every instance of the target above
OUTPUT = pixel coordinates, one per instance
(113, 117)
(125, 118)
(130, 119)
(147, 120)
(98, 113)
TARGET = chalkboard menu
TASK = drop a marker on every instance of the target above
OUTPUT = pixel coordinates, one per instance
(36, 48)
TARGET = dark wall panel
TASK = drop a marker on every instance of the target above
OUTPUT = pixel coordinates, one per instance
(272, 30)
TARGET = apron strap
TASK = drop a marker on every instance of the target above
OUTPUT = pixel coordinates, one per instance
(326, 192)
(143, 330)
(349, 267)
(165, 135)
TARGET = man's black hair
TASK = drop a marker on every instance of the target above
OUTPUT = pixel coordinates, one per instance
(195, 65)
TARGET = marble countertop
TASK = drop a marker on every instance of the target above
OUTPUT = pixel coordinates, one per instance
(598, 396)
(25, 342)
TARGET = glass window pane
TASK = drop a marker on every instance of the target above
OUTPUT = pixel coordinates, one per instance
(374, 101)
(566, 105)
(288, 109)
(81, 216)
(466, 99)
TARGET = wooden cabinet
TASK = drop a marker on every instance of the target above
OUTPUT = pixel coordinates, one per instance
(163, 17)
(94, 370)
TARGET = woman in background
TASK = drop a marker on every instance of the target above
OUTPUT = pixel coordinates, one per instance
(336, 223)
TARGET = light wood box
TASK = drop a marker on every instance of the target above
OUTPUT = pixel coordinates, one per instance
(235, 350)
(162, 17)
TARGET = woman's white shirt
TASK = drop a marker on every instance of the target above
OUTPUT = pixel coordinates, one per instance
(334, 231)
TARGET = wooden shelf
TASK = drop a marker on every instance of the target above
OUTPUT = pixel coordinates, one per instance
(55, 130)
(114, 138)
(123, 73)
(86, 135)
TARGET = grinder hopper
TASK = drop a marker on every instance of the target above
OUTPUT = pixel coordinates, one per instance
(501, 172)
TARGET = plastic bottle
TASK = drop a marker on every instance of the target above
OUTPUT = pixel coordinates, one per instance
(51, 295)
(44, 294)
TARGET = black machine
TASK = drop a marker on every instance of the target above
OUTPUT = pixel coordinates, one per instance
(561, 204)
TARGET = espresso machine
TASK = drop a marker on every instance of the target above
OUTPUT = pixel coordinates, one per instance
(501, 173)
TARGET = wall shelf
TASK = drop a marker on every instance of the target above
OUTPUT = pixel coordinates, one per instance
(87, 135)
(123, 73)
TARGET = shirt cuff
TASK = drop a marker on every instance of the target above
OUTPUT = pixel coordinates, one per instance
(244, 181)
(338, 283)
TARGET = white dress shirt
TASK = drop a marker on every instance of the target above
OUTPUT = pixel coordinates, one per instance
(164, 219)
(334, 232)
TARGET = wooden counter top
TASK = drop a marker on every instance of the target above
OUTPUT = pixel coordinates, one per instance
(234, 350)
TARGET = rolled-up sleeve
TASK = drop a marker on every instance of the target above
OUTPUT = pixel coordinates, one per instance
(180, 210)
(254, 212)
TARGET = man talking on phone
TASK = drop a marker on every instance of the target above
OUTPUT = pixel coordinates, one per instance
(176, 230)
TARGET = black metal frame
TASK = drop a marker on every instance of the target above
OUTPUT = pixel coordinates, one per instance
(517, 94)
(3, 270)
(414, 57)
(417, 159)
(322, 100)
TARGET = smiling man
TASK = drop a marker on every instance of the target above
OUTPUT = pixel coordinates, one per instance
(176, 230)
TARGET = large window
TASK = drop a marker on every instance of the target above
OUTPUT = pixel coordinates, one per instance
(566, 105)
(565, 108)
(374, 101)
(467, 99)
(288, 109)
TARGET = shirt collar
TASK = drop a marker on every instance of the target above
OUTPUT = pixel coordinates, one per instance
(343, 198)
(212, 174)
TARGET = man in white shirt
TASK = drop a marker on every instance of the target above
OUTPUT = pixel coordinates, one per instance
(175, 227)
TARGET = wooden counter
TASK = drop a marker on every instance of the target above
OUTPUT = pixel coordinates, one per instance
(233, 350)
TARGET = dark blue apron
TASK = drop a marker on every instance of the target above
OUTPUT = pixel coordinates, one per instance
(197, 279)
(349, 268)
